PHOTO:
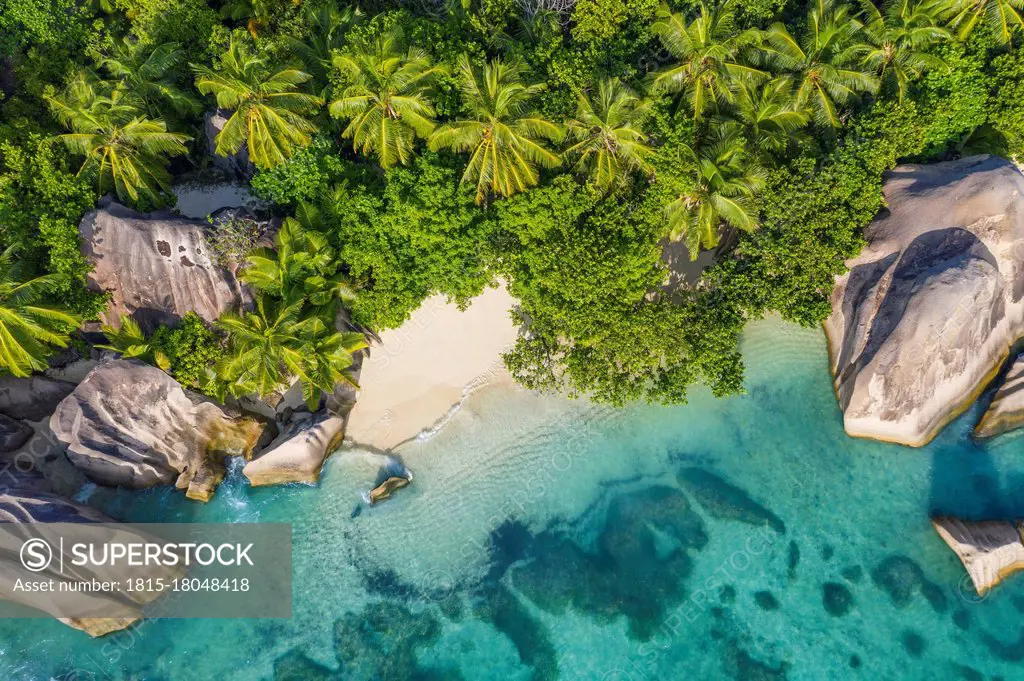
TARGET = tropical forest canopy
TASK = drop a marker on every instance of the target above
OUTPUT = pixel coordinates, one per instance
(428, 147)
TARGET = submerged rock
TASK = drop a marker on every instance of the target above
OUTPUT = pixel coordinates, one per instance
(928, 311)
(725, 501)
(743, 666)
(508, 615)
(298, 454)
(836, 598)
(1006, 411)
(381, 643)
(27, 503)
(913, 643)
(989, 550)
(156, 266)
(639, 570)
(901, 578)
(766, 601)
(132, 425)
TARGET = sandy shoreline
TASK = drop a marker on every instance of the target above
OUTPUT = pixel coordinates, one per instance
(417, 374)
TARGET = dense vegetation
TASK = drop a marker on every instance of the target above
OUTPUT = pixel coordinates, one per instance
(424, 147)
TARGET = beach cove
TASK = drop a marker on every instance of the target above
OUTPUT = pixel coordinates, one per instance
(744, 538)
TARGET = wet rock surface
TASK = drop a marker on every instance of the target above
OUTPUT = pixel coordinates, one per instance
(1006, 411)
(132, 425)
(298, 454)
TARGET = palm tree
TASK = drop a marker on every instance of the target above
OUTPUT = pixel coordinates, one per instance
(130, 341)
(503, 135)
(899, 39)
(29, 327)
(768, 114)
(327, 358)
(725, 180)
(268, 111)
(1003, 17)
(826, 62)
(708, 50)
(147, 74)
(386, 98)
(273, 345)
(255, 13)
(327, 28)
(298, 255)
(127, 151)
(609, 141)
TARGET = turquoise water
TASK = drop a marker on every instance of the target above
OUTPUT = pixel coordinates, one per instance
(746, 538)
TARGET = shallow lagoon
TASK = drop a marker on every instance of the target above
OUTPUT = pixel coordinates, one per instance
(746, 538)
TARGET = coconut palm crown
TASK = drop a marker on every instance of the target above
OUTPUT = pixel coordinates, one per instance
(826, 62)
(29, 327)
(726, 177)
(124, 150)
(708, 50)
(387, 99)
(268, 112)
(504, 136)
(607, 131)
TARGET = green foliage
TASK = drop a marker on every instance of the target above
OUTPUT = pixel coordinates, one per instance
(504, 137)
(601, 21)
(680, 119)
(123, 149)
(417, 235)
(40, 22)
(953, 101)
(191, 347)
(386, 97)
(41, 204)
(275, 343)
(307, 175)
(583, 267)
(130, 341)
(813, 213)
(185, 22)
(188, 351)
(30, 326)
(1008, 100)
(608, 134)
(726, 179)
(268, 111)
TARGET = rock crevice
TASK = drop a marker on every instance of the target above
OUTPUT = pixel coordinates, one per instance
(928, 312)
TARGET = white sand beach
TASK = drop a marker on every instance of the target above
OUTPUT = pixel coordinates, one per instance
(419, 372)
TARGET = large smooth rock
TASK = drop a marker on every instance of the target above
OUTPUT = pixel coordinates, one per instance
(156, 267)
(31, 399)
(990, 550)
(928, 311)
(132, 425)
(1006, 411)
(28, 503)
(298, 454)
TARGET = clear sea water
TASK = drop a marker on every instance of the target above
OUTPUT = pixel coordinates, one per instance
(746, 538)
